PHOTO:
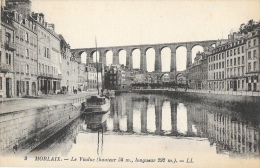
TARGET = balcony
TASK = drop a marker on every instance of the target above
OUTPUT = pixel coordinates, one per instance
(59, 76)
(10, 46)
(4, 68)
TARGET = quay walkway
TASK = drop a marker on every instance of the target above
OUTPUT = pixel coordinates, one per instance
(222, 92)
(17, 104)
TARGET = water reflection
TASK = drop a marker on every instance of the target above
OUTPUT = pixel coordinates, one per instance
(143, 115)
(160, 115)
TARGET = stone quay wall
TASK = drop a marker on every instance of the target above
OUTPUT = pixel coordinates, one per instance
(29, 128)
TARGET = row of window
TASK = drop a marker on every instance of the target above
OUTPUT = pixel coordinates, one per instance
(232, 72)
(202, 76)
(45, 69)
(25, 52)
(25, 36)
(229, 45)
(25, 68)
(230, 85)
(216, 66)
(236, 61)
(45, 51)
(228, 53)
(219, 75)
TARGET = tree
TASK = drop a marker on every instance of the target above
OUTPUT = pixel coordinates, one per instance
(250, 26)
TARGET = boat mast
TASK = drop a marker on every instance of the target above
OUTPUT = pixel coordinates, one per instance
(97, 65)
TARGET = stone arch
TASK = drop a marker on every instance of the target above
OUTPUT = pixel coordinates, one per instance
(136, 52)
(181, 78)
(181, 57)
(165, 53)
(132, 50)
(197, 44)
(150, 53)
(180, 45)
(82, 56)
(163, 75)
(94, 54)
(195, 49)
(122, 54)
(165, 46)
(108, 53)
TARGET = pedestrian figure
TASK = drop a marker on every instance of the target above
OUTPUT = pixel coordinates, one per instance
(15, 147)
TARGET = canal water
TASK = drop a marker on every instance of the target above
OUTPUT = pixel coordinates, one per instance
(159, 129)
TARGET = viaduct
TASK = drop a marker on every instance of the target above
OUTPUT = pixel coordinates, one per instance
(143, 48)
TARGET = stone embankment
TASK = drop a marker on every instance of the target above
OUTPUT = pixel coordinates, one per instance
(37, 120)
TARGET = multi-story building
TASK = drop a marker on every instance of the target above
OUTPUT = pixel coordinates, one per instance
(49, 65)
(253, 61)
(82, 80)
(226, 65)
(65, 65)
(26, 55)
(114, 77)
(7, 76)
(73, 82)
(198, 72)
(91, 76)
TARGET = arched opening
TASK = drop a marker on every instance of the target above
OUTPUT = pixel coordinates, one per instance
(213, 45)
(195, 50)
(122, 57)
(150, 59)
(166, 117)
(83, 57)
(181, 57)
(136, 58)
(182, 118)
(165, 78)
(109, 57)
(166, 59)
(95, 56)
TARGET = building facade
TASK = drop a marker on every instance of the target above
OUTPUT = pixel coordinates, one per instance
(234, 66)
(49, 63)
(7, 76)
(26, 55)
(198, 72)
(91, 73)
(65, 65)
(82, 80)
(115, 77)
(73, 82)
(253, 61)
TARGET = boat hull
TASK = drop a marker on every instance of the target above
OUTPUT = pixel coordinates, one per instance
(97, 108)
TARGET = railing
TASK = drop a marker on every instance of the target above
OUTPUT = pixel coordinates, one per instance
(10, 46)
(78, 100)
(226, 92)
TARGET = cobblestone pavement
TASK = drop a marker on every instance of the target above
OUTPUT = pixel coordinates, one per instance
(18, 104)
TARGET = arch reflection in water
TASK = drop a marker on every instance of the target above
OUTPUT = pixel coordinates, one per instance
(219, 130)
(161, 115)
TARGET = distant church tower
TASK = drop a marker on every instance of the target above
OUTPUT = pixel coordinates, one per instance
(21, 6)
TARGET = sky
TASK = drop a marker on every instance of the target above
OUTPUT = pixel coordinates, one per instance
(116, 23)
